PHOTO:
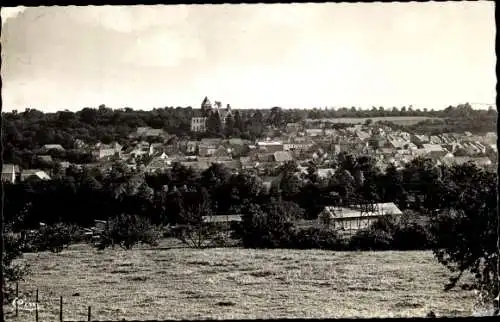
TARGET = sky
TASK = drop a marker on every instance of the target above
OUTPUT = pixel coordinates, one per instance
(428, 55)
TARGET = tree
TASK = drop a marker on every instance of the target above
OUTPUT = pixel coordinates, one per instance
(269, 225)
(55, 237)
(127, 231)
(193, 230)
(238, 122)
(466, 228)
(276, 117)
(229, 126)
(214, 124)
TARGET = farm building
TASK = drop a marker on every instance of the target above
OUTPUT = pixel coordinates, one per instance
(355, 218)
(10, 173)
(222, 218)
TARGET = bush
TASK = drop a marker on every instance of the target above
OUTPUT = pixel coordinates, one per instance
(127, 231)
(412, 236)
(316, 238)
(54, 238)
(12, 272)
(407, 232)
(371, 239)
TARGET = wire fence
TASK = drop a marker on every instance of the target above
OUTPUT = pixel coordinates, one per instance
(31, 305)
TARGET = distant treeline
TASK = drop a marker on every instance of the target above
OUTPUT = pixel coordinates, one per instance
(24, 132)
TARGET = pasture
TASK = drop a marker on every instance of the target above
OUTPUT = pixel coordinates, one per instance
(236, 283)
(401, 120)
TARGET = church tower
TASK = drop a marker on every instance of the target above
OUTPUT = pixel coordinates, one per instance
(206, 107)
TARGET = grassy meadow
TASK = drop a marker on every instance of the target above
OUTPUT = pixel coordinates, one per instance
(233, 283)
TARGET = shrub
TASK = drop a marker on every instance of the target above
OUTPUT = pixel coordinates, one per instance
(12, 272)
(412, 235)
(371, 239)
(54, 238)
(314, 238)
(128, 231)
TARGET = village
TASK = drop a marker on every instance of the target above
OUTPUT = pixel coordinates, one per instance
(155, 151)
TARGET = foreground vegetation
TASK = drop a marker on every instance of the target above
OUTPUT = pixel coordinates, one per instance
(440, 203)
(236, 283)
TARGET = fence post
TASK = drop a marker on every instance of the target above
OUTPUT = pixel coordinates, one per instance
(89, 313)
(17, 298)
(61, 309)
(36, 311)
(36, 298)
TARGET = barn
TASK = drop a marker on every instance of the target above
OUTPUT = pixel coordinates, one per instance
(350, 219)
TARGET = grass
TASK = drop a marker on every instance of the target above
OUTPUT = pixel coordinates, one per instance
(235, 283)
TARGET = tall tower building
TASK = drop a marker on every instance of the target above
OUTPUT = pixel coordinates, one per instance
(206, 107)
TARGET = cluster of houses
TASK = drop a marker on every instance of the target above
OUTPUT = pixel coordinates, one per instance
(154, 150)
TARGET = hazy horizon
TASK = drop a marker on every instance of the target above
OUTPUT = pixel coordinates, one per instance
(428, 55)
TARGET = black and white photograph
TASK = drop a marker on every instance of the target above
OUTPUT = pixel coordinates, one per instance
(249, 161)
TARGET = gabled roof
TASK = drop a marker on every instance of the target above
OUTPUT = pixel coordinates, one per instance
(381, 209)
(34, 173)
(53, 147)
(432, 147)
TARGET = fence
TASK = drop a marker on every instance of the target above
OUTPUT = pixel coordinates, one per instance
(20, 304)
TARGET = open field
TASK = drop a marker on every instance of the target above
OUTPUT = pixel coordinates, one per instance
(402, 120)
(237, 283)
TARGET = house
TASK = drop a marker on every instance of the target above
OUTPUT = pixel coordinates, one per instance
(10, 173)
(270, 146)
(158, 164)
(419, 139)
(314, 132)
(434, 139)
(434, 149)
(191, 147)
(282, 156)
(207, 150)
(199, 124)
(296, 146)
(101, 151)
(356, 217)
(34, 174)
(49, 147)
(362, 135)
